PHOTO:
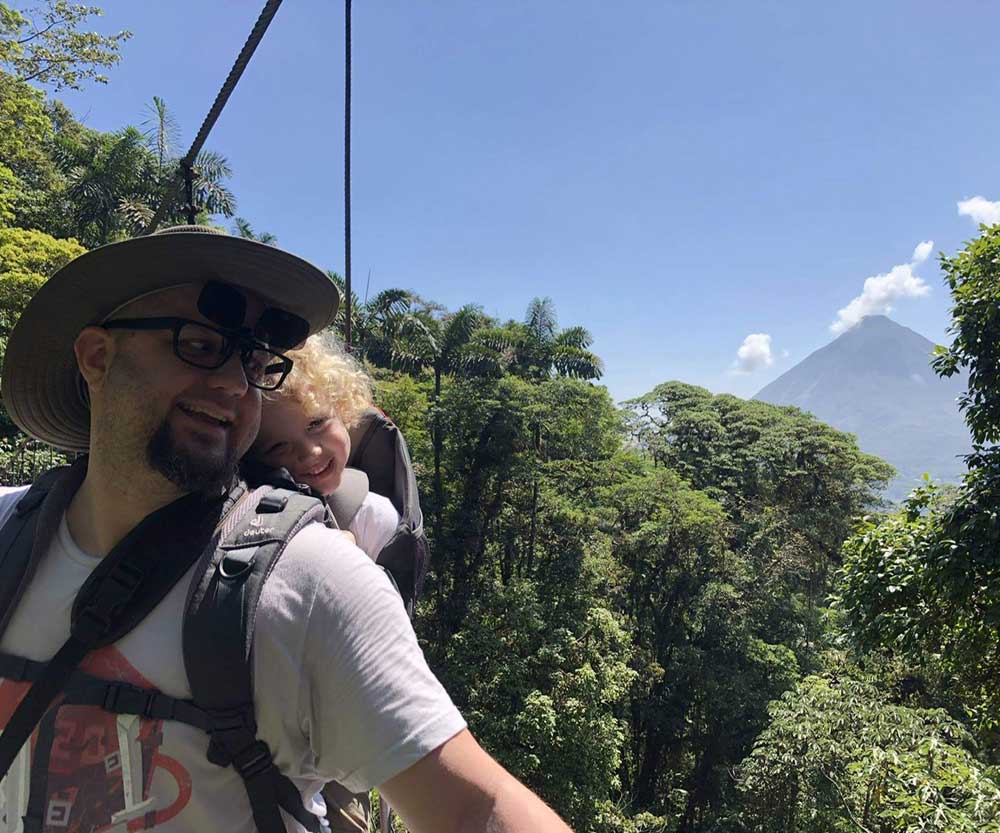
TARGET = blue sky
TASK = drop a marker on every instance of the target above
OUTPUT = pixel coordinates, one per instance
(676, 176)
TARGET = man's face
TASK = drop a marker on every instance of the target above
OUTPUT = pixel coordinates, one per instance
(188, 424)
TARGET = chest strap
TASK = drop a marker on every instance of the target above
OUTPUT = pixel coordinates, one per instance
(125, 586)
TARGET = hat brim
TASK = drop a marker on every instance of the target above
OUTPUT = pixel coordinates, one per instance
(42, 389)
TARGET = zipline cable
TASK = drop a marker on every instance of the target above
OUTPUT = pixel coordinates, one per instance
(187, 163)
(347, 175)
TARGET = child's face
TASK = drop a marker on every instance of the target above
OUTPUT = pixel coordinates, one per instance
(313, 447)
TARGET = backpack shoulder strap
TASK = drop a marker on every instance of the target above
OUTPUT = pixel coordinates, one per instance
(218, 634)
(26, 536)
(120, 591)
(349, 496)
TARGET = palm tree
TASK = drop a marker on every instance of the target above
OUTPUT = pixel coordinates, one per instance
(116, 180)
(445, 345)
(539, 350)
(210, 196)
(242, 228)
(380, 326)
(543, 350)
(110, 177)
(161, 132)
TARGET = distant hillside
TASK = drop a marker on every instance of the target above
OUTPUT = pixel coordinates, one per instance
(875, 381)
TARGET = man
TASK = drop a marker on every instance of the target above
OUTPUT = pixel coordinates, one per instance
(150, 354)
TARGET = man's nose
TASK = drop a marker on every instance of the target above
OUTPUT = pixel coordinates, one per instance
(231, 378)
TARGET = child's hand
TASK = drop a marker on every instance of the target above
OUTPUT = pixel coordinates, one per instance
(349, 536)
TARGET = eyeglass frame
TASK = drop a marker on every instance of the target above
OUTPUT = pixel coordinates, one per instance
(231, 338)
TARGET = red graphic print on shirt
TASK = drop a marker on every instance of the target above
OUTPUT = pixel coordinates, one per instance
(86, 790)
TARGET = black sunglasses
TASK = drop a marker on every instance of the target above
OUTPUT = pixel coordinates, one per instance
(209, 348)
(226, 306)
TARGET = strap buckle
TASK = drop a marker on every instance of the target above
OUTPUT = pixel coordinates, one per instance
(253, 761)
(125, 698)
(228, 720)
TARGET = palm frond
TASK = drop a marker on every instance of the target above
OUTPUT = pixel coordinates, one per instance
(576, 363)
(541, 319)
(459, 327)
(578, 337)
(161, 131)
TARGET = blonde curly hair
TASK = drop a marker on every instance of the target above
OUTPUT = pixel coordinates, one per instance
(324, 378)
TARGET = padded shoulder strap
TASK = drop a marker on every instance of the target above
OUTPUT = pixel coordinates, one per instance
(218, 634)
(126, 584)
(347, 499)
(25, 537)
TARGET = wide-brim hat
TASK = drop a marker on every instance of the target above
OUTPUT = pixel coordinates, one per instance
(42, 388)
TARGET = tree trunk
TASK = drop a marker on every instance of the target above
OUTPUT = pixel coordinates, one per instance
(533, 529)
(437, 440)
(644, 795)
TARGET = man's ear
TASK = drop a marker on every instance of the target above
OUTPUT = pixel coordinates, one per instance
(94, 348)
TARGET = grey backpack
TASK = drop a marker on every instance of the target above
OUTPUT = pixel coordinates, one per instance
(235, 542)
(379, 450)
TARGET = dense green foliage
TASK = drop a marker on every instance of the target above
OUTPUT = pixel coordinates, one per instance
(924, 584)
(44, 44)
(837, 757)
(632, 606)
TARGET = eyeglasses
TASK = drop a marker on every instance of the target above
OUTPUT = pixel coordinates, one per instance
(209, 348)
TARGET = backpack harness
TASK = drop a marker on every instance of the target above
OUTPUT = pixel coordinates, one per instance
(235, 543)
(246, 534)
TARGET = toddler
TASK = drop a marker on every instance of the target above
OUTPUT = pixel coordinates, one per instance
(304, 429)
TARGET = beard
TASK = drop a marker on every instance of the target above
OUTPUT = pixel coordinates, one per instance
(192, 472)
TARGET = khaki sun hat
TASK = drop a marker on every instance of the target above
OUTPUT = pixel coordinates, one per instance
(42, 388)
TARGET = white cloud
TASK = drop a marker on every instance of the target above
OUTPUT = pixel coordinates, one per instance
(923, 251)
(754, 353)
(882, 291)
(981, 210)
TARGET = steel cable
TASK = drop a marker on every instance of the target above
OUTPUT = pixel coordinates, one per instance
(256, 34)
(347, 174)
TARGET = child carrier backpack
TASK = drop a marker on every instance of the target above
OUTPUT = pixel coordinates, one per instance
(379, 462)
(379, 450)
(234, 543)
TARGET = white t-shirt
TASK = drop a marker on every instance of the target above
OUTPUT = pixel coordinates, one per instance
(342, 693)
(374, 524)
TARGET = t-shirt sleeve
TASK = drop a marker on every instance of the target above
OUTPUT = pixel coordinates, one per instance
(375, 523)
(9, 496)
(368, 705)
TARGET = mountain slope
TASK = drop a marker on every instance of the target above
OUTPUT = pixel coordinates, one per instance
(875, 381)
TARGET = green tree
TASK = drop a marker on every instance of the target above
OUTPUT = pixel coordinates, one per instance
(162, 133)
(27, 260)
(32, 183)
(922, 584)
(8, 195)
(836, 758)
(44, 44)
(537, 349)
(744, 599)
(242, 227)
(443, 345)
(550, 708)
(111, 181)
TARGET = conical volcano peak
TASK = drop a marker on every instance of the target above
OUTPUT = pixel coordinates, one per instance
(875, 381)
(882, 346)
(872, 321)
